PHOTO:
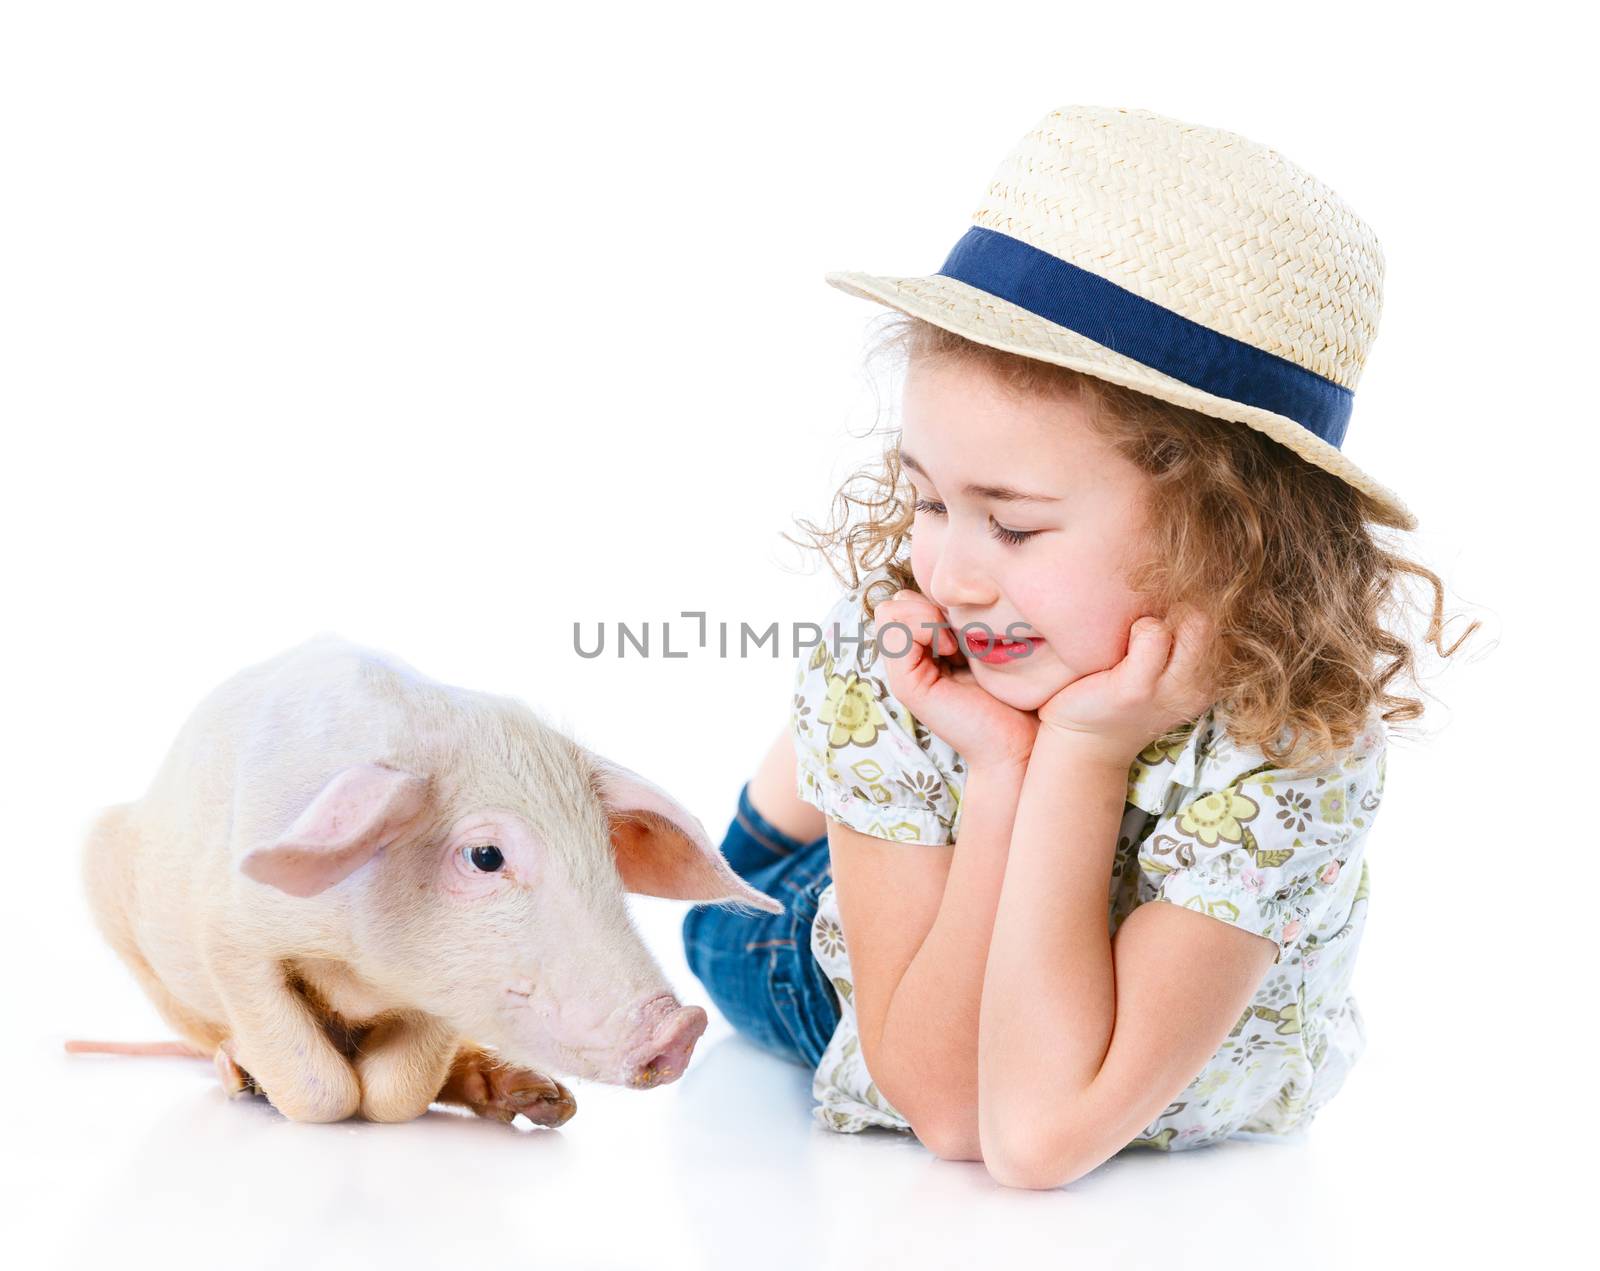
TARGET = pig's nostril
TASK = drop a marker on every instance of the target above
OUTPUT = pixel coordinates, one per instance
(672, 1044)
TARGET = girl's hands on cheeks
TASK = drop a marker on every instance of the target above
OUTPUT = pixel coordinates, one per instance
(1112, 715)
(947, 698)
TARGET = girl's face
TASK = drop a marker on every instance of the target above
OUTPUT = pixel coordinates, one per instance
(988, 467)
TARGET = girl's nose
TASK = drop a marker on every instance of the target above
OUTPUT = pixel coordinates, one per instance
(958, 582)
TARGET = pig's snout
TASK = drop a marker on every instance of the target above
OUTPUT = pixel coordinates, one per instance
(666, 1037)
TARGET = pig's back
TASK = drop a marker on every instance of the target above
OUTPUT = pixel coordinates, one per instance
(193, 798)
(178, 839)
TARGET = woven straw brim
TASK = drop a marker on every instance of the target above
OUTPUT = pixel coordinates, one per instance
(987, 319)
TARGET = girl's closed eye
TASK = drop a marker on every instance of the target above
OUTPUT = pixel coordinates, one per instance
(1004, 533)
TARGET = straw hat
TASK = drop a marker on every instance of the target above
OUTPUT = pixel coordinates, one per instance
(1182, 261)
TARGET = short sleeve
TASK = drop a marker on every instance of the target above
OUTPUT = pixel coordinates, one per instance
(862, 757)
(1271, 851)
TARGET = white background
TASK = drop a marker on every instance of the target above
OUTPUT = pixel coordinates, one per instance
(447, 326)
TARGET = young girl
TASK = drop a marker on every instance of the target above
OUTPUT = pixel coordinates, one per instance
(1134, 654)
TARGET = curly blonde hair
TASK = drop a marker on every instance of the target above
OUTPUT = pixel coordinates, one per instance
(1284, 558)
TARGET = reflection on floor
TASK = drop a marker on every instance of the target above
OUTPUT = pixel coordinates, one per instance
(723, 1169)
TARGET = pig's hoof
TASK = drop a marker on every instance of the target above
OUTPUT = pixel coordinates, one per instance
(236, 1082)
(543, 1100)
(501, 1092)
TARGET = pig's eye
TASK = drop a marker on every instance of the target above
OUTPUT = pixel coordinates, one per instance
(486, 857)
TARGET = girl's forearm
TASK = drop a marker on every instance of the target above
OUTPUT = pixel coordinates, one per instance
(931, 1027)
(1049, 989)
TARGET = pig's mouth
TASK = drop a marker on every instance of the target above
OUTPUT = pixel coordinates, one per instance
(667, 1040)
(651, 1050)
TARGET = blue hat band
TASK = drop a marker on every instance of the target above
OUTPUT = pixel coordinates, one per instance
(1062, 293)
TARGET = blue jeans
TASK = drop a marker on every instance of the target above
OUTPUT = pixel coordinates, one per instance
(758, 968)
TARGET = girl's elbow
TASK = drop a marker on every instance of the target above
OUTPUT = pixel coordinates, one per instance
(946, 1124)
(950, 1138)
(1038, 1173)
(1027, 1155)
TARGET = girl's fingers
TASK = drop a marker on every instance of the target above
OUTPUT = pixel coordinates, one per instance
(1189, 644)
(1180, 682)
(1149, 646)
(918, 614)
(909, 658)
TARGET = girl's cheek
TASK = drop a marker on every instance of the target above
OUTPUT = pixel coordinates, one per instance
(924, 555)
(1046, 608)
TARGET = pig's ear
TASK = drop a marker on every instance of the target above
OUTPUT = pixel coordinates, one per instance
(662, 849)
(357, 814)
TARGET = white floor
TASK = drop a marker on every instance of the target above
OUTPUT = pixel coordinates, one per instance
(115, 1161)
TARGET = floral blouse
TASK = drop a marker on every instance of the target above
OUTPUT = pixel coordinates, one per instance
(1208, 825)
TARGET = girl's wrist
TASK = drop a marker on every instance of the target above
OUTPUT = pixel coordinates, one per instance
(1012, 768)
(1058, 747)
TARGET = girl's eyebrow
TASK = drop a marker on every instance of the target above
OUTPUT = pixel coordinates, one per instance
(999, 493)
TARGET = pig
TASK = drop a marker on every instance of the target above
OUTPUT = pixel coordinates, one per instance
(363, 891)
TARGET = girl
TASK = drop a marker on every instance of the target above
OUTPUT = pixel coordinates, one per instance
(1135, 654)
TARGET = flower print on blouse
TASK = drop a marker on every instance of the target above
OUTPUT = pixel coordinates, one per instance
(1208, 825)
(865, 759)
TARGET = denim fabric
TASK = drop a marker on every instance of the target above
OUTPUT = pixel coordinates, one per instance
(758, 968)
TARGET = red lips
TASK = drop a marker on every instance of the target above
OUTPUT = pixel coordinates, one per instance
(997, 651)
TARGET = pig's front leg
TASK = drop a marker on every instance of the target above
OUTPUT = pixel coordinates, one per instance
(279, 1041)
(402, 1063)
(491, 1088)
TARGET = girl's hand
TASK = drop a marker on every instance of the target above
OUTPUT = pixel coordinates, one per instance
(945, 695)
(1114, 714)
